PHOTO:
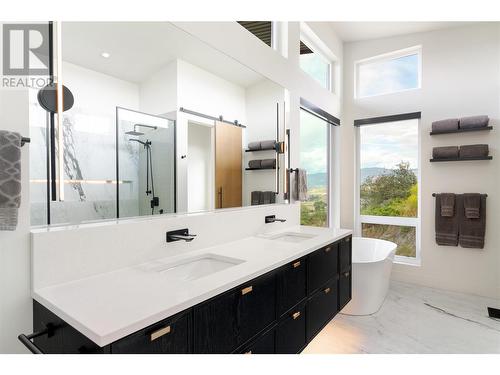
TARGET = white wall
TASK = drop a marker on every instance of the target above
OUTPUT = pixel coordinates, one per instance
(200, 167)
(460, 77)
(158, 94)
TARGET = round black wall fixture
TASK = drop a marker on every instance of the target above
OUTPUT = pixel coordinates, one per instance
(48, 99)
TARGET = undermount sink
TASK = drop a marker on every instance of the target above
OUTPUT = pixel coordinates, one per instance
(291, 237)
(197, 267)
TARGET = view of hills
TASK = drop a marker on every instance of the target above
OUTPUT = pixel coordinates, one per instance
(319, 179)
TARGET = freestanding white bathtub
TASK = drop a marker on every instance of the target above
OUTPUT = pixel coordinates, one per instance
(371, 270)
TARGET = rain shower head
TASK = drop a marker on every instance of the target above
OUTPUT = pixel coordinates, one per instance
(136, 133)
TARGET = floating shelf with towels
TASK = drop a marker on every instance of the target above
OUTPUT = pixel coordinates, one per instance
(435, 194)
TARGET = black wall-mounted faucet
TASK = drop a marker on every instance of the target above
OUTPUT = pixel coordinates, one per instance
(180, 234)
(272, 219)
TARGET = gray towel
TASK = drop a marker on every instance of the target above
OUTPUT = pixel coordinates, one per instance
(473, 151)
(267, 145)
(300, 190)
(268, 163)
(472, 231)
(447, 152)
(447, 204)
(255, 198)
(472, 202)
(254, 164)
(267, 195)
(474, 122)
(446, 227)
(10, 179)
(445, 125)
(254, 146)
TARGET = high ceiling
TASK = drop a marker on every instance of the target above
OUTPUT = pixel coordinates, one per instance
(357, 31)
(139, 49)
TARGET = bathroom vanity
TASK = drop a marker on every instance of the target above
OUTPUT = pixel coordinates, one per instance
(267, 293)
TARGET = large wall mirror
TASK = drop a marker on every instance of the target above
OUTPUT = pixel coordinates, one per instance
(161, 123)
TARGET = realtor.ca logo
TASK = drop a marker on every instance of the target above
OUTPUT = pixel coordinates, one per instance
(25, 55)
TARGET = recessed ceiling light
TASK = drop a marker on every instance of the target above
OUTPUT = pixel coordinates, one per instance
(105, 55)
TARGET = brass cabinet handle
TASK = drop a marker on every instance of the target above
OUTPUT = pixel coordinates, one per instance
(161, 332)
(296, 264)
(348, 239)
(327, 290)
(295, 315)
(249, 352)
(327, 249)
(246, 290)
(346, 274)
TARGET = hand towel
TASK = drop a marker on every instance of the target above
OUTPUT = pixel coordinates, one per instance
(474, 122)
(473, 151)
(300, 185)
(472, 202)
(255, 198)
(472, 231)
(446, 227)
(268, 163)
(447, 204)
(445, 125)
(254, 164)
(254, 146)
(267, 145)
(10, 179)
(447, 152)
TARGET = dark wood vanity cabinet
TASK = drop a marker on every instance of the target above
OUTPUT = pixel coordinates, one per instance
(227, 321)
(278, 312)
(170, 336)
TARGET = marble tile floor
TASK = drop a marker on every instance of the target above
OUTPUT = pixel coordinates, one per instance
(415, 319)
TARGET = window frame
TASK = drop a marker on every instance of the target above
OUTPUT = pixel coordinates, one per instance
(329, 162)
(304, 38)
(414, 50)
(414, 222)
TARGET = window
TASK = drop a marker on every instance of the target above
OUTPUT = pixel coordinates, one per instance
(388, 184)
(397, 71)
(316, 65)
(264, 30)
(314, 155)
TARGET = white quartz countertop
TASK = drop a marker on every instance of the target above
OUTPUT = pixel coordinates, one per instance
(109, 306)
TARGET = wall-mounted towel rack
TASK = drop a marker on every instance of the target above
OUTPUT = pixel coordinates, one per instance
(25, 140)
(461, 130)
(435, 194)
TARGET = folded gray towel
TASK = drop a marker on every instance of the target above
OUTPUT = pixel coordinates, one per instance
(447, 152)
(267, 195)
(472, 231)
(268, 163)
(445, 125)
(267, 145)
(254, 146)
(472, 202)
(273, 197)
(473, 151)
(474, 122)
(255, 198)
(10, 179)
(254, 164)
(447, 204)
(446, 227)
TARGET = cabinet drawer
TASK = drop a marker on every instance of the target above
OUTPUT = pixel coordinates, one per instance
(321, 308)
(322, 266)
(227, 321)
(170, 336)
(291, 331)
(264, 344)
(291, 285)
(345, 288)
(345, 254)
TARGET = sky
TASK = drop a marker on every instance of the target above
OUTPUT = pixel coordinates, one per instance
(386, 145)
(313, 143)
(388, 76)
